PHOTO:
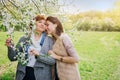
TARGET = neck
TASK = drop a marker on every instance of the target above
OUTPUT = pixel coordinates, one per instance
(55, 35)
(37, 33)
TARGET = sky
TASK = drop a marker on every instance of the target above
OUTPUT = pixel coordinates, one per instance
(76, 6)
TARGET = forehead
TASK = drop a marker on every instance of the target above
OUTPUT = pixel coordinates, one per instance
(43, 21)
(48, 22)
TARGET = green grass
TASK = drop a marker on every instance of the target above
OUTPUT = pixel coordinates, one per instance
(7, 68)
(3, 48)
(99, 55)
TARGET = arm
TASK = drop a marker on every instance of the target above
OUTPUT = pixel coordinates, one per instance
(73, 57)
(12, 52)
(66, 59)
(44, 58)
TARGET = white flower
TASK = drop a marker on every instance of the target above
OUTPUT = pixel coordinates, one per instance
(10, 31)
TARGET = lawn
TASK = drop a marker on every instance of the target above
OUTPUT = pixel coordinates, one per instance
(98, 51)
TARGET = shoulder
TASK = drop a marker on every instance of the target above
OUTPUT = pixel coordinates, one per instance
(49, 38)
(66, 40)
(23, 38)
(65, 37)
(48, 42)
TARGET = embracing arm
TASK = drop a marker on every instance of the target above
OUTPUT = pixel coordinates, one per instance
(66, 59)
(73, 56)
(43, 55)
(46, 59)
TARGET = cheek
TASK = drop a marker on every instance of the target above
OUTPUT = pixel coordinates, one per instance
(37, 25)
(54, 28)
(44, 28)
(48, 27)
(51, 28)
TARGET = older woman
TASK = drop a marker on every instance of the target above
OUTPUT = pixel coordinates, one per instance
(38, 66)
(63, 51)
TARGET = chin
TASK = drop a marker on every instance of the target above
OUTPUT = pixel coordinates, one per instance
(48, 32)
(41, 30)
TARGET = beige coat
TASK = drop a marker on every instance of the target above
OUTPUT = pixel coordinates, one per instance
(63, 47)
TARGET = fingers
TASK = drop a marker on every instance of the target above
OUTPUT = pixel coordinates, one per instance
(53, 55)
(8, 42)
(34, 52)
(50, 52)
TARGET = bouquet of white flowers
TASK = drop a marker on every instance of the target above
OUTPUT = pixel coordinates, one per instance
(21, 56)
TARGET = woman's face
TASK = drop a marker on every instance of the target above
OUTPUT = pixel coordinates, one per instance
(40, 25)
(51, 28)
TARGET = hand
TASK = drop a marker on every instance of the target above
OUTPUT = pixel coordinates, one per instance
(9, 42)
(34, 52)
(52, 54)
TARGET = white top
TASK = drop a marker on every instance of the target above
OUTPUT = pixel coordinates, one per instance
(35, 45)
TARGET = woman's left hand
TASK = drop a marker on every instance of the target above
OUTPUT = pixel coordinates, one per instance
(52, 54)
(34, 52)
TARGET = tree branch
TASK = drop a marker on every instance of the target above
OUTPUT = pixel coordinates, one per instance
(8, 9)
(36, 5)
(13, 4)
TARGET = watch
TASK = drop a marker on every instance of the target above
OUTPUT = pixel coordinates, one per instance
(61, 59)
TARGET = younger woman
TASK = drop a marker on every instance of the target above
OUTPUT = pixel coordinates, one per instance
(63, 51)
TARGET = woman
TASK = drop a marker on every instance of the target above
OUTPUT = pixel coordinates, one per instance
(63, 51)
(38, 66)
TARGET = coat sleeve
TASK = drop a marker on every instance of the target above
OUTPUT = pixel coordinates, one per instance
(69, 47)
(44, 57)
(12, 52)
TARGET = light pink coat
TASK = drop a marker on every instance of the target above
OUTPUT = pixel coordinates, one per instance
(63, 47)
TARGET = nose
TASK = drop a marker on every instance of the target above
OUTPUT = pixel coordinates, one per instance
(42, 24)
(46, 27)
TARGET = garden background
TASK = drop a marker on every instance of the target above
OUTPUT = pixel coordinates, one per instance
(94, 32)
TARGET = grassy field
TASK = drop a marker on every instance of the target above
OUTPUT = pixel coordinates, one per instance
(99, 55)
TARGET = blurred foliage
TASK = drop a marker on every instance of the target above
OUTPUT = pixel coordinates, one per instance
(98, 21)
(20, 13)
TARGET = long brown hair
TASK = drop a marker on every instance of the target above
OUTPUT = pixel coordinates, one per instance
(54, 20)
